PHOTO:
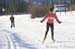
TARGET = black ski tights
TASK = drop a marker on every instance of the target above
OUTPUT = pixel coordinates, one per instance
(47, 29)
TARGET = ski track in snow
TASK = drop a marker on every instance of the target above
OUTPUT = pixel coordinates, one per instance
(28, 38)
(15, 42)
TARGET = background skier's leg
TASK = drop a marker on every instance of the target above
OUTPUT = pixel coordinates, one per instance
(11, 24)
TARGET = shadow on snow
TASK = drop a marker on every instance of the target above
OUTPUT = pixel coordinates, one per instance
(20, 42)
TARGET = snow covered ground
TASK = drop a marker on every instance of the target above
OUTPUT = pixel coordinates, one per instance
(29, 33)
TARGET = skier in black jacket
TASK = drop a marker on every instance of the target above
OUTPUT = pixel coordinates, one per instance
(12, 21)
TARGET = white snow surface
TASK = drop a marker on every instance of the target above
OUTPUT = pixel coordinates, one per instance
(29, 33)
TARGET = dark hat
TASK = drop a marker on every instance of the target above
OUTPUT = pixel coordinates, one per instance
(52, 8)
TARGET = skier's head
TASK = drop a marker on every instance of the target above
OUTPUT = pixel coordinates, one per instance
(51, 9)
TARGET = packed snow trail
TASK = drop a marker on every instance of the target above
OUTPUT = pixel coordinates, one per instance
(29, 33)
(9, 39)
(12, 41)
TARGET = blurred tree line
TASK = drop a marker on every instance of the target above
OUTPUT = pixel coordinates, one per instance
(44, 7)
(39, 10)
(35, 8)
(15, 6)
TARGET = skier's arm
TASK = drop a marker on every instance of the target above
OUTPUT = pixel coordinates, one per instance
(44, 18)
(57, 19)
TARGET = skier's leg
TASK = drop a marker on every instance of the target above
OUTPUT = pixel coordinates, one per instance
(47, 29)
(52, 32)
(11, 24)
(14, 25)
